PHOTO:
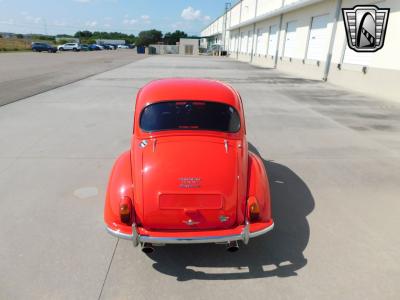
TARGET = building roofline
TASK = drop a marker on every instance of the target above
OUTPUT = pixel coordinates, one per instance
(276, 12)
(216, 19)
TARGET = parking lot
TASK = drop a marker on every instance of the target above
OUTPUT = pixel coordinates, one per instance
(26, 74)
(333, 159)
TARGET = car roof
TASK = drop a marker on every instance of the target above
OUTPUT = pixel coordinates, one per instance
(187, 89)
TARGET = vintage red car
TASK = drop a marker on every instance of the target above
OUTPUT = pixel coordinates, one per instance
(188, 176)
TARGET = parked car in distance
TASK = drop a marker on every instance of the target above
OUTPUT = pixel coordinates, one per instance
(69, 47)
(189, 176)
(123, 47)
(95, 47)
(108, 47)
(85, 47)
(43, 47)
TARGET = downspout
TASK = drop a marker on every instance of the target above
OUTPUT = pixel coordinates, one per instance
(239, 44)
(279, 38)
(254, 32)
(230, 24)
(332, 41)
(278, 42)
(240, 37)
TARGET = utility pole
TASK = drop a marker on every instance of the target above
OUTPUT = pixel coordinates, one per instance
(225, 24)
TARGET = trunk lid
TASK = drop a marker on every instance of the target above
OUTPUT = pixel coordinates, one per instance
(189, 183)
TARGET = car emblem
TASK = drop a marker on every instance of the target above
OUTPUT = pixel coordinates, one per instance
(365, 27)
(189, 182)
(143, 144)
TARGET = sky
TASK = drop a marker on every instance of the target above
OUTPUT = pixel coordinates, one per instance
(128, 16)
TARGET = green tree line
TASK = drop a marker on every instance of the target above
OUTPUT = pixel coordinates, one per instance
(144, 38)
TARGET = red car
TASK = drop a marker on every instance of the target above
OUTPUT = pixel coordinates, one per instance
(188, 176)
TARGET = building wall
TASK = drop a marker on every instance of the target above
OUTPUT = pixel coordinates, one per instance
(300, 54)
(248, 10)
(265, 6)
(236, 10)
(193, 43)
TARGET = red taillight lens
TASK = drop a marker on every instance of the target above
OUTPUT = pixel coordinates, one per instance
(253, 209)
(125, 210)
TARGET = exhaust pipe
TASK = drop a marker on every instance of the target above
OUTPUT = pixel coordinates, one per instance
(147, 248)
(232, 246)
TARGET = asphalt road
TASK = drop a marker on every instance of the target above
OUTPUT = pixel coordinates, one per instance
(333, 159)
(25, 74)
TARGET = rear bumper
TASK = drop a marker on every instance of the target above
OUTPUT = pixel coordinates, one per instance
(239, 233)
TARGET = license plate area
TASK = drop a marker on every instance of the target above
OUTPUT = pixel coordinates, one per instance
(190, 201)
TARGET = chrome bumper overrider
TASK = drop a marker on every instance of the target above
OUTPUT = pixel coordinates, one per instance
(137, 239)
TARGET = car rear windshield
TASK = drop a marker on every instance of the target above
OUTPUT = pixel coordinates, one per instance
(190, 115)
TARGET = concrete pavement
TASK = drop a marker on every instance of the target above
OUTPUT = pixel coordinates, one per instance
(333, 159)
(26, 74)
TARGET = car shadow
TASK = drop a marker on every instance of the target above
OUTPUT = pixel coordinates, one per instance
(278, 253)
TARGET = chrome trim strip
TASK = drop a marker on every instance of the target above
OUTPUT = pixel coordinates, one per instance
(119, 234)
(194, 240)
(135, 236)
(246, 233)
(263, 231)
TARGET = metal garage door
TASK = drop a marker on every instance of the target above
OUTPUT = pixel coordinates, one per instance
(318, 42)
(243, 42)
(290, 39)
(249, 42)
(261, 45)
(273, 40)
(189, 49)
(357, 58)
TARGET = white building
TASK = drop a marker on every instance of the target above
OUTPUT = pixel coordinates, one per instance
(307, 38)
(189, 46)
(112, 42)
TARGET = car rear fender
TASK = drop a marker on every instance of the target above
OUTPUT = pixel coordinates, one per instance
(120, 185)
(258, 186)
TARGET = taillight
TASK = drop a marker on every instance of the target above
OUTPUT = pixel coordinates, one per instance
(125, 210)
(253, 209)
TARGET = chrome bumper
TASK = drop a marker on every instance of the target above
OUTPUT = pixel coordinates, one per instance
(137, 239)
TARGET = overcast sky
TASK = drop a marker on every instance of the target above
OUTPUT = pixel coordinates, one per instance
(129, 16)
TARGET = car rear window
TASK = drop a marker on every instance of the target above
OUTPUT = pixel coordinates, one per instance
(190, 115)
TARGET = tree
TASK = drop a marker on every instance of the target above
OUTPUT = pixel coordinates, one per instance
(89, 37)
(171, 38)
(149, 37)
(83, 34)
(20, 36)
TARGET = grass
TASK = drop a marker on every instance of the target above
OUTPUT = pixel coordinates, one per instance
(15, 44)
